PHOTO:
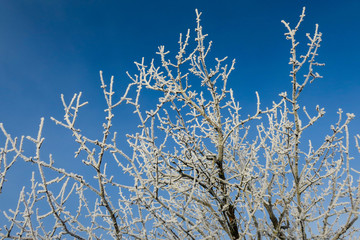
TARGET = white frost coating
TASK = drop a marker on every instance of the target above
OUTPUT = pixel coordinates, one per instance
(198, 169)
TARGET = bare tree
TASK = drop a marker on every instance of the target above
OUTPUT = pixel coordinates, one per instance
(197, 168)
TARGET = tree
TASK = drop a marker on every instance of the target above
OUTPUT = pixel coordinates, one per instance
(197, 168)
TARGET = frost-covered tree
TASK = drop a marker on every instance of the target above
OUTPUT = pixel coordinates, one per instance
(195, 168)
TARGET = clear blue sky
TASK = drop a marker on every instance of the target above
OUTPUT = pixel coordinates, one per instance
(53, 47)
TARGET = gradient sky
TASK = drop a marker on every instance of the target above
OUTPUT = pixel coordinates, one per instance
(53, 47)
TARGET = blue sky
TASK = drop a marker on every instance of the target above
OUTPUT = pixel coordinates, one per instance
(53, 47)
